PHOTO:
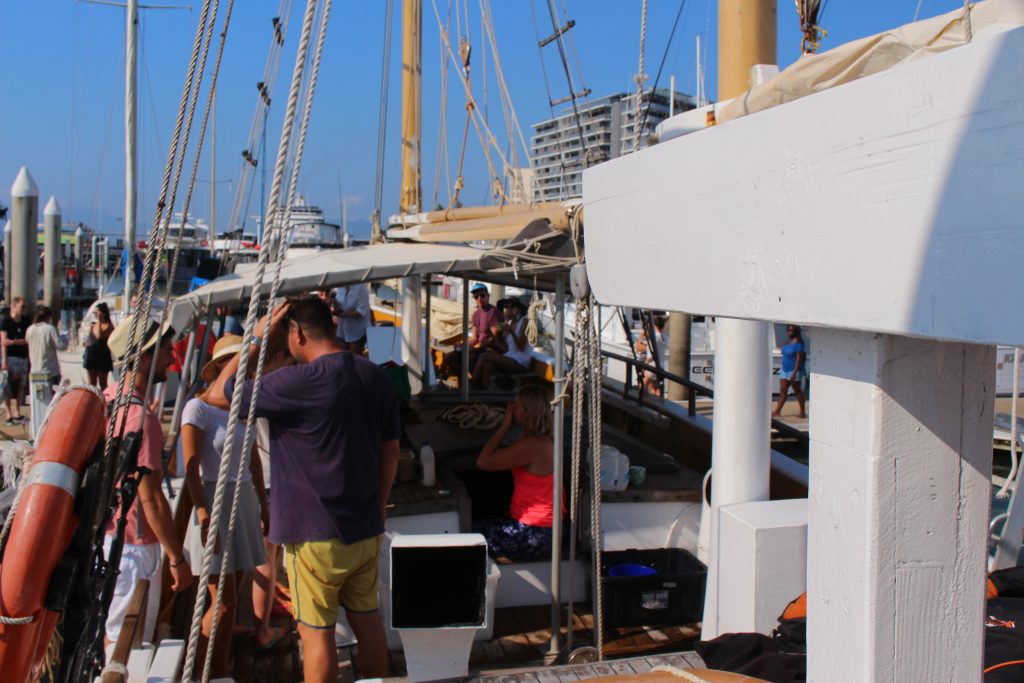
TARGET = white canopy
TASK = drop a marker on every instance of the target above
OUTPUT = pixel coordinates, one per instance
(329, 269)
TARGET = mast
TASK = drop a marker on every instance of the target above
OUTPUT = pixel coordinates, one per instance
(740, 439)
(130, 138)
(412, 72)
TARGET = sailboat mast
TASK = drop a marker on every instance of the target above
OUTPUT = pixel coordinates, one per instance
(130, 138)
(412, 73)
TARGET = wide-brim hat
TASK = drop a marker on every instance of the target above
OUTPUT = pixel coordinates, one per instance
(226, 346)
(518, 303)
(144, 340)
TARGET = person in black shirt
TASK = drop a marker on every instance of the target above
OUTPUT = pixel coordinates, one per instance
(14, 354)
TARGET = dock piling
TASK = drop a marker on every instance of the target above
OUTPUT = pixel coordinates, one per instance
(24, 250)
(53, 262)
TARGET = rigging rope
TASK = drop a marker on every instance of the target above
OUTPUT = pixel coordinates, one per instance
(273, 238)
(382, 121)
(638, 131)
(664, 56)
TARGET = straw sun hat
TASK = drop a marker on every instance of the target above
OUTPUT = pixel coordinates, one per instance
(118, 340)
(226, 346)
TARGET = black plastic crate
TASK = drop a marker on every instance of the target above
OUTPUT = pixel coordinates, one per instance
(673, 594)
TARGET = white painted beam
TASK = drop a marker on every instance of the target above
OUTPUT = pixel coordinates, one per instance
(900, 460)
(891, 204)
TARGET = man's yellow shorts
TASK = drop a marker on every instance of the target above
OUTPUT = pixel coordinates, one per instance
(324, 575)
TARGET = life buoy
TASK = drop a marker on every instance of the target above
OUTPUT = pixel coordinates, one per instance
(43, 526)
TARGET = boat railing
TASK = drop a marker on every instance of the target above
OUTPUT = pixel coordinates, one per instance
(694, 390)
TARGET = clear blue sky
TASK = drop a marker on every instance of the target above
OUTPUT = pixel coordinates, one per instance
(62, 92)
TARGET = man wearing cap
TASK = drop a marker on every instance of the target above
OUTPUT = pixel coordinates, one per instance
(147, 532)
(334, 430)
(484, 335)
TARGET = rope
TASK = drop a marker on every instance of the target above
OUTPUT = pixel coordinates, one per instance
(680, 673)
(968, 28)
(533, 319)
(593, 361)
(473, 416)
(282, 247)
(147, 272)
(272, 238)
(577, 377)
(382, 121)
(640, 78)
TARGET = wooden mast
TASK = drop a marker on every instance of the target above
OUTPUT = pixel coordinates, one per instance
(412, 72)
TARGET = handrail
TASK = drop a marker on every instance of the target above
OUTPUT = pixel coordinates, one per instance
(695, 390)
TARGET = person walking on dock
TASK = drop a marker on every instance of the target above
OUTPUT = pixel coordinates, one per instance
(334, 429)
(14, 351)
(794, 362)
(43, 345)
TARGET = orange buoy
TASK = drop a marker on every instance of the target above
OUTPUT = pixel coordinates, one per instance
(44, 524)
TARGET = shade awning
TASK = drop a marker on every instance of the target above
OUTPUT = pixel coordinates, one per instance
(328, 269)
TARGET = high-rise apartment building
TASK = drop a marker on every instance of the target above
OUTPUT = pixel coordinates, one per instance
(562, 147)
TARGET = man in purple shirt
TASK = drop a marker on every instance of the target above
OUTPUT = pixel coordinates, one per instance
(334, 429)
(485, 321)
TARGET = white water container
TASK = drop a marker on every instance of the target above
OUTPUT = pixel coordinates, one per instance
(614, 469)
(429, 467)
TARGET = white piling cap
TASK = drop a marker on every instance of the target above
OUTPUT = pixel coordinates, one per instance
(24, 185)
(52, 208)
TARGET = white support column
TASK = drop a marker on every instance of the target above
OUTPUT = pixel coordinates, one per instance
(412, 337)
(900, 464)
(740, 439)
(24, 239)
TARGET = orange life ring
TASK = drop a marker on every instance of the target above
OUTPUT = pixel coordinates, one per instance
(43, 526)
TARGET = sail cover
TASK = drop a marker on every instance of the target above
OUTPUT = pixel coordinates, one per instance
(329, 269)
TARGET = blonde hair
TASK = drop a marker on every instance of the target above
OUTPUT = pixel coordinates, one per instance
(536, 405)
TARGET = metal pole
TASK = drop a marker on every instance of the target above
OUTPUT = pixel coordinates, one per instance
(558, 447)
(464, 372)
(213, 171)
(52, 260)
(7, 262)
(741, 429)
(24, 239)
(428, 362)
(130, 137)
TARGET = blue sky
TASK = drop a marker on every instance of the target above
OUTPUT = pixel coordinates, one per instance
(62, 101)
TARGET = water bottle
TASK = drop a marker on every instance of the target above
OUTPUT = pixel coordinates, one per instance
(427, 462)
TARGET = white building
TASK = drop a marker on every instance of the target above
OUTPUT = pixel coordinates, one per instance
(562, 147)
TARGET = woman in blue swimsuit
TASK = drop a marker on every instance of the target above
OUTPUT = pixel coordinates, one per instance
(794, 360)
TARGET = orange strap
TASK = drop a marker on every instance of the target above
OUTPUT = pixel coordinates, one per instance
(1001, 665)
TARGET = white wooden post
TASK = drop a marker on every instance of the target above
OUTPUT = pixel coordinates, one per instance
(412, 337)
(900, 461)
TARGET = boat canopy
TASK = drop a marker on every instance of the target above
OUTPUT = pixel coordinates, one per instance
(814, 73)
(329, 269)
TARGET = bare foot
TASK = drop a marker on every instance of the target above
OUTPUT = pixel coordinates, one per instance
(776, 413)
(803, 415)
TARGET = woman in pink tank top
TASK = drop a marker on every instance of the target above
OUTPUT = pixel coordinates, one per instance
(525, 534)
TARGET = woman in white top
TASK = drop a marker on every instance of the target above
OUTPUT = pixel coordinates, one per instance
(203, 433)
(519, 354)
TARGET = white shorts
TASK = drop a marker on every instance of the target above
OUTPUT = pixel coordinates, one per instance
(138, 562)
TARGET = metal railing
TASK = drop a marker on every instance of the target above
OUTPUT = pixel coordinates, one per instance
(694, 390)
